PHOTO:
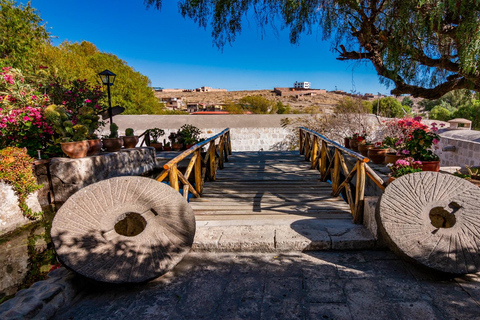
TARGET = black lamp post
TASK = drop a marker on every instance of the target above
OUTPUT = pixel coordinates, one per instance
(108, 78)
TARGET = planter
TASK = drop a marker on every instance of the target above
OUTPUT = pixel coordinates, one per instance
(390, 178)
(94, 147)
(112, 144)
(377, 155)
(167, 148)
(346, 142)
(130, 142)
(363, 148)
(75, 149)
(391, 157)
(157, 145)
(354, 144)
(431, 165)
(177, 146)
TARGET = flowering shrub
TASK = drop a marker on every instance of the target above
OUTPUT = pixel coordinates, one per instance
(22, 123)
(16, 170)
(404, 166)
(420, 143)
(360, 136)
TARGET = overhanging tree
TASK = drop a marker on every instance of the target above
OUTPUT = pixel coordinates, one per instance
(425, 48)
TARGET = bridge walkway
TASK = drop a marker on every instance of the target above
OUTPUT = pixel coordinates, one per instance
(272, 201)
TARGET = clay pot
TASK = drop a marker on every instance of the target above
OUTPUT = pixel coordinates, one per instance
(391, 157)
(167, 148)
(130, 142)
(363, 148)
(354, 144)
(157, 145)
(430, 165)
(112, 144)
(346, 142)
(390, 179)
(377, 155)
(75, 149)
(177, 146)
(94, 147)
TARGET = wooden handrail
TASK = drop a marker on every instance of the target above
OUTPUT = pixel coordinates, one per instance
(207, 167)
(316, 149)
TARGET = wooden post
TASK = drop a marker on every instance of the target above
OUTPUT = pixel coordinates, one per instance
(314, 156)
(359, 193)
(323, 159)
(173, 175)
(198, 172)
(336, 171)
(229, 143)
(307, 146)
(212, 161)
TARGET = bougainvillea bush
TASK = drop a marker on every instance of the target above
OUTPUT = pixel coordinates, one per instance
(22, 123)
(16, 170)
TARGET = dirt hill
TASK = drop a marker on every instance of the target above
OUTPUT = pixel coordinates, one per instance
(320, 102)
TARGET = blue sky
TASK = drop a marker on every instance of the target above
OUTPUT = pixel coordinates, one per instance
(175, 53)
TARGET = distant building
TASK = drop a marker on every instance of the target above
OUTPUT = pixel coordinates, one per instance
(209, 89)
(174, 103)
(301, 85)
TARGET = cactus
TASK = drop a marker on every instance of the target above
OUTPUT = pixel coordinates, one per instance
(113, 131)
(129, 132)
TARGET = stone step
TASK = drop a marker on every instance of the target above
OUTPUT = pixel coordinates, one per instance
(286, 234)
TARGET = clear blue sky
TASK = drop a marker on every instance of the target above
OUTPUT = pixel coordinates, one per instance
(175, 53)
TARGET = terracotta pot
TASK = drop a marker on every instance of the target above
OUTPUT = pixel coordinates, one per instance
(391, 157)
(430, 165)
(346, 142)
(354, 144)
(130, 142)
(177, 146)
(167, 148)
(390, 179)
(75, 149)
(157, 146)
(363, 148)
(94, 147)
(377, 155)
(112, 144)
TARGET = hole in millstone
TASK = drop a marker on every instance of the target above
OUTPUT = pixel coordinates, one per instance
(130, 224)
(441, 218)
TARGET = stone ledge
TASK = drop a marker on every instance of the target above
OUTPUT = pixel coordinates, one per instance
(44, 298)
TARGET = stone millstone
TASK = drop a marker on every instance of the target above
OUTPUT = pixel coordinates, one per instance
(434, 219)
(123, 230)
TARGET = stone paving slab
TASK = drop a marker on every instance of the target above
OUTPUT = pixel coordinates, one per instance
(314, 285)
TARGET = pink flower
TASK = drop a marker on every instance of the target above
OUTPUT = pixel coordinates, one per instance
(405, 152)
(26, 118)
(417, 119)
(435, 141)
(88, 100)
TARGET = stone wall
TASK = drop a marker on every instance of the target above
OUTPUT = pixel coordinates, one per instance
(248, 132)
(466, 145)
(63, 176)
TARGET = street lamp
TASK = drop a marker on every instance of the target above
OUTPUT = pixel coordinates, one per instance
(108, 78)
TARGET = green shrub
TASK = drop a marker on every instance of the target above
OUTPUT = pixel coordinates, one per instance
(16, 170)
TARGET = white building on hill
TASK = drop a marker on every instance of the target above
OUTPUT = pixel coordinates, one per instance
(301, 85)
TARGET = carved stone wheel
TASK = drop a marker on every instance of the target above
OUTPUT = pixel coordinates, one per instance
(434, 219)
(123, 230)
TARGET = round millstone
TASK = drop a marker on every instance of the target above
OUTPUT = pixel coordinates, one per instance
(434, 219)
(123, 230)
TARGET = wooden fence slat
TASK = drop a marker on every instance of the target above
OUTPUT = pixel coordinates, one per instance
(173, 175)
(359, 193)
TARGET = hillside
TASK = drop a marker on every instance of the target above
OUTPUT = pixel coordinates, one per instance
(322, 102)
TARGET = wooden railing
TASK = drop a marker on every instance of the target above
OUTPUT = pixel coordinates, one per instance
(318, 150)
(203, 164)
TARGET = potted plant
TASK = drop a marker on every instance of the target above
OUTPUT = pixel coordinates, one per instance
(377, 153)
(112, 142)
(472, 174)
(357, 139)
(395, 145)
(420, 146)
(190, 135)
(155, 135)
(364, 147)
(72, 137)
(176, 140)
(346, 142)
(402, 167)
(87, 116)
(130, 140)
(166, 146)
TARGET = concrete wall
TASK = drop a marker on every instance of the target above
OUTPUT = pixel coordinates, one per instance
(248, 132)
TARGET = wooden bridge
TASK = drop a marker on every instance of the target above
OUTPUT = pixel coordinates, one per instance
(268, 201)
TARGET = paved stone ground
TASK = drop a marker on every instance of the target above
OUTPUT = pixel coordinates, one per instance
(316, 285)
